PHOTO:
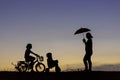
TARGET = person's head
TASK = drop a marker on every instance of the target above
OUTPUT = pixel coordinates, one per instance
(49, 55)
(89, 36)
(29, 46)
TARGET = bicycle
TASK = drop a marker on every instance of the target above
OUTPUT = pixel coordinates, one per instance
(23, 66)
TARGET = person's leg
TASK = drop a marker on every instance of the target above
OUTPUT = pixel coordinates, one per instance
(57, 68)
(32, 62)
(85, 62)
(90, 63)
(55, 62)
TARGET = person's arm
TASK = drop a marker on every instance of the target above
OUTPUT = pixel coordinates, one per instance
(34, 53)
(84, 41)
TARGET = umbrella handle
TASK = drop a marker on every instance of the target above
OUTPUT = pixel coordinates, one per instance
(83, 35)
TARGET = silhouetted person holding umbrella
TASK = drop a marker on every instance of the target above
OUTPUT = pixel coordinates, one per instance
(88, 48)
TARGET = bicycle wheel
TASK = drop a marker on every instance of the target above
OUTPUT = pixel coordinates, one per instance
(40, 67)
(22, 67)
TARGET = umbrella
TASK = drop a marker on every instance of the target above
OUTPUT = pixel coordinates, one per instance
(82, 30)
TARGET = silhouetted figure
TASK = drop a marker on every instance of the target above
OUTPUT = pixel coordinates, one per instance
(28, 57)
(88, 48)
(52, 63)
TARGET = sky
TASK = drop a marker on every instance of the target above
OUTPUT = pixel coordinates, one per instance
(49, 25)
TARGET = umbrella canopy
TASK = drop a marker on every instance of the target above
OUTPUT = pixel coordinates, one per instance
(82, 30)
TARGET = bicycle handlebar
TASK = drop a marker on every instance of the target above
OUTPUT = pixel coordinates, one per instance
(40, 57)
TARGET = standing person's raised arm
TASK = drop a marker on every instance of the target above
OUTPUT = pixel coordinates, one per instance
(84, 40)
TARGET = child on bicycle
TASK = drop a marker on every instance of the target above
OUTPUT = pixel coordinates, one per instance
(27, 56)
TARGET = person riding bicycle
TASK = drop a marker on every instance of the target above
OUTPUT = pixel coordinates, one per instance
(28, 57)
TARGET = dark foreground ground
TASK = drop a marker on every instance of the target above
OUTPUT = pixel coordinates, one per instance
(95, 75)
